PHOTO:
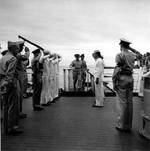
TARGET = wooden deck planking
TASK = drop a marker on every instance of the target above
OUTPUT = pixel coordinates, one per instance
(71, 124)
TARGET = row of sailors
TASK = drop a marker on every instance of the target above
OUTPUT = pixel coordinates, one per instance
(45, 78)
(13, 82)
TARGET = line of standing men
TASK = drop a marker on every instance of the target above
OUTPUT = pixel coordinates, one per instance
(14, 79)
(12, 85)
(45, 78)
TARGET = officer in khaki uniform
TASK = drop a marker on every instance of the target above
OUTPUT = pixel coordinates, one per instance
(8, 89)
(1, 96)
(76, 67)
(20, 70)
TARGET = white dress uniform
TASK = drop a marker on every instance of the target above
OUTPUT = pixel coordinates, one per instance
(141, 82)
(45, 97)
(99, 89)
(51, 79)
(57, 76)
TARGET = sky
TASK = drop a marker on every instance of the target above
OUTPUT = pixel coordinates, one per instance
(77, 26)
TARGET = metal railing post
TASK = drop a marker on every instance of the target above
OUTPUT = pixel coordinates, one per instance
(69, 79)
(87, 76)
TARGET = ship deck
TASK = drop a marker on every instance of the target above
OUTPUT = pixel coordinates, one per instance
(72, 124)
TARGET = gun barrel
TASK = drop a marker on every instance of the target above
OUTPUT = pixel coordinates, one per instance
(30, 42)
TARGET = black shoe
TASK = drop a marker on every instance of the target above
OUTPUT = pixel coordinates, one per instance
(43, 104)
(48, 103)
(15, 131)
(97, 106)
(123, 130)
(54, 101)
(38, 108)
(22, 115)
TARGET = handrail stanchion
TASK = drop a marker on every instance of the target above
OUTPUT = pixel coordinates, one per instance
(69, 86)
(87, 76)
(80, 80)
(69, 79)
(91, 81)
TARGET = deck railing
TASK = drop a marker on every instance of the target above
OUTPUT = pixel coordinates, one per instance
(68, 80)
(69, 84)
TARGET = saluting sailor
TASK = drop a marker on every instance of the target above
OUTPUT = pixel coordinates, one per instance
(59, 58)
(51, 78)
(25, 79)
(45, 97)
(21, 76)
(37, 79)
(123, 85)
(54, 75)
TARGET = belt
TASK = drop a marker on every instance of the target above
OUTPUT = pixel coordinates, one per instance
(35, 74)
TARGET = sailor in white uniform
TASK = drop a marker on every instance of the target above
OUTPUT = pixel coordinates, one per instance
(45, 97)
(58, 59)
(51, 77)
(98, 79)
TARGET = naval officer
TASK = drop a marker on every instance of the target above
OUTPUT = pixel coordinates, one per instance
(8, 89)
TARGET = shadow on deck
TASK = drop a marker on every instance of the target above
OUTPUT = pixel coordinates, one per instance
(71, 124)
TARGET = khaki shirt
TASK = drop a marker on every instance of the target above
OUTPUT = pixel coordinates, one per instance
(8, 66)
(126, 57)
(76, 65)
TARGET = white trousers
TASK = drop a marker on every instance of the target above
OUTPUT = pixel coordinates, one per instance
(57, 85)
(140, 82)
(99, 94)
(45, 97)
(51, 88)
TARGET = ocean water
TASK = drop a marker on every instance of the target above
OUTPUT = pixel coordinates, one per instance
(107, 73)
